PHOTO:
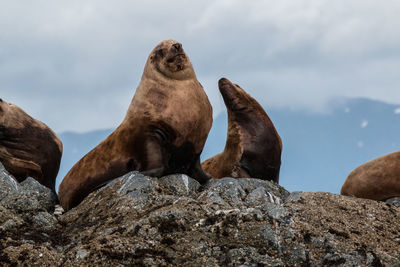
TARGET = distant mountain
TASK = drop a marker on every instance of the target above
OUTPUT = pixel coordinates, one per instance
(319, 150)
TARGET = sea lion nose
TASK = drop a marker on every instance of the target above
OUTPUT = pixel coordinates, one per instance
(177, 46)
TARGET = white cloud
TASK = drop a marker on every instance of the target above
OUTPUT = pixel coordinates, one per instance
(397, 111)
(364, 124)
(75, 65)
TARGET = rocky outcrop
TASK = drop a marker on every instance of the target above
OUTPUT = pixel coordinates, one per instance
(138, 220)
(29, 231)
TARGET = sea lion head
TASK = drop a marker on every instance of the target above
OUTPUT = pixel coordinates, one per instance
(13, 116)
(238, 103)
(169, 59)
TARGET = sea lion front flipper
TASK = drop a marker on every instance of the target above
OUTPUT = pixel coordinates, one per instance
(32, 169)
(198, 174)
(153, 158)
(2, 132)
(157, 172)
(21, 169)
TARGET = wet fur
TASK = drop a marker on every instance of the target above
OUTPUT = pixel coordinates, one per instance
(253, 146)
(28, 148)
(164, 130)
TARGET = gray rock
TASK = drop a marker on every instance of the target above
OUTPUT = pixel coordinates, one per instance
(272, 239)
(296, 255)
(81, 254)
(250, 184)
(133, 186)
(294, 196)
(11, 223)
(213, 199)
(28, 230)
(33, 189)
(180, 184)
(333, 259)
(249, 256)
(261, 196)
(44, 220)
(145, 221)
(228, 189)
(30, 196)
(275, 212)
(27, 196)
(8, 184)
(394, 201)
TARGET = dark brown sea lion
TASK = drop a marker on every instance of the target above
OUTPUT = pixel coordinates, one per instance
(378, 179)
(253, 146)
(164, 130)
(28, 147)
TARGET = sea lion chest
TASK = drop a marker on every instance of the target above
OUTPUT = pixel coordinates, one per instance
(183, 106)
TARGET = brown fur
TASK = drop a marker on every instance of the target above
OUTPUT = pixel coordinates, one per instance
(163, 132)
(28, 147)
(378, 179)
(253, 146)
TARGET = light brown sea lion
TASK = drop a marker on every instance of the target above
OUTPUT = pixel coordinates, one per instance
(253, 146)
(28, 147)
(378, 179)
(164, 130)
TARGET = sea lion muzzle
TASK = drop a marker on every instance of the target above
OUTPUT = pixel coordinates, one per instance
(177, 46)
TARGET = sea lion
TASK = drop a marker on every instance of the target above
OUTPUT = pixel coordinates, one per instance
(28, 147)
(164, 130)
(378, 179)
(253, 146)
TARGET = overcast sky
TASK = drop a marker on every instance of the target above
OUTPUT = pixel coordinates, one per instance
(75, 64)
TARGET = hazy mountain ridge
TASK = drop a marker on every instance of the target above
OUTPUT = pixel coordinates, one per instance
(315, 145)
